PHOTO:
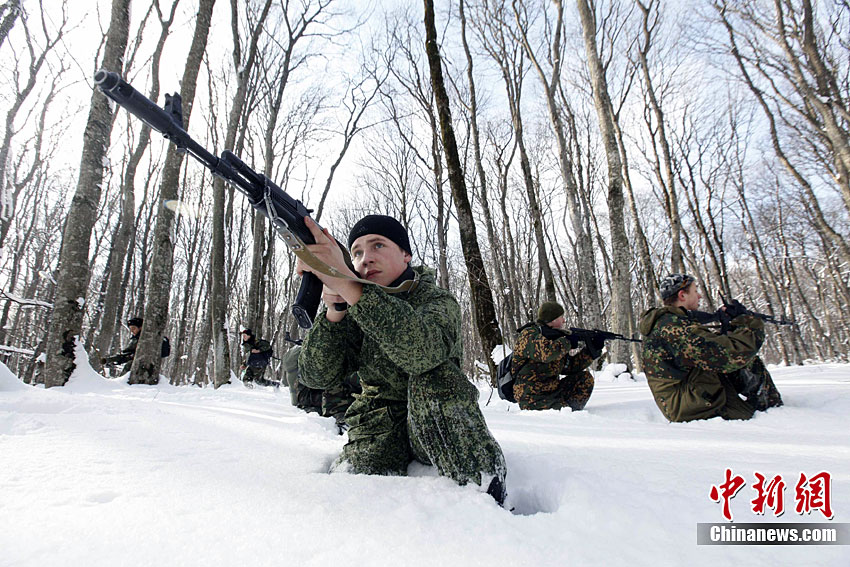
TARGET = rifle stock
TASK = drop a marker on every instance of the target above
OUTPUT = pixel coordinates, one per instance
(285, 213)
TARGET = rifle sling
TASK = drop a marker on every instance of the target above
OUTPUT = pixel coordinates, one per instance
(299, 249)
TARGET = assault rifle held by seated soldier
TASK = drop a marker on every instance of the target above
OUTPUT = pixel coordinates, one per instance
(285, 213)
(729, 311)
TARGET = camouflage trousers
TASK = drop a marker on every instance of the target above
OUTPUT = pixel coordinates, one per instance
(572, 391)
(440, 425)
(333, 402)
(741, 382)
(256, 375)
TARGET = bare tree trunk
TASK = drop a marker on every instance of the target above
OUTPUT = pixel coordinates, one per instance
(218, 292)
(126, 229)
(484, 197)
(823, 226)
(148, 360)
(73, 274)
(482, 297)
(621, 305)
(588, 304)
(492, 26)
(667, 181)
(9, 13)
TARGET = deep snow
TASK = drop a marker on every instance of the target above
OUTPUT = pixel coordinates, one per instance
(102, 473)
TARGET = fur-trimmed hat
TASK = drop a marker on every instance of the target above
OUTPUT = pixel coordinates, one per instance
(549, 311)
(381, 225)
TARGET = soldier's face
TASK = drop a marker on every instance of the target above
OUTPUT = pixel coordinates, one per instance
(378, 259)
(690, 297)
(558, 323)
(134, 329)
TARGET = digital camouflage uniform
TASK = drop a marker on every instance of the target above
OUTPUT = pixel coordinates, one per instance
(332, 402)
(256, 362)
(538, 360)
(695, 373)
(416, 402)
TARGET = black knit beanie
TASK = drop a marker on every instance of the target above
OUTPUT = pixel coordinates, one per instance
(381, 225)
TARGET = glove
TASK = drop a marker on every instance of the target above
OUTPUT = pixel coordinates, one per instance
(595, 346)
(734, 309)
(725, 321)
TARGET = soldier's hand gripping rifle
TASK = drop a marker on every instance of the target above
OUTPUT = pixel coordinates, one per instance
(729, 311)
(285, 213)
(593, 338)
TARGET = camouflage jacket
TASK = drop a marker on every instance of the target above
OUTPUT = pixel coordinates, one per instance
(683, 360)
(257, 359)
(388, 338)
(541, 360)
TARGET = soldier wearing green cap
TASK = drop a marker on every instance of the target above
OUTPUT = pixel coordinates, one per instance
(406, 350)
(542, 354)
(697, 373)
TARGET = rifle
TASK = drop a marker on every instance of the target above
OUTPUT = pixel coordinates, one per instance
(720, 316)
(586, 335)
(285, 213)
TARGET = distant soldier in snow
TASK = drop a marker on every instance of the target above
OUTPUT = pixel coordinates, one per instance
(697, 373)
(127, 353)
(258, 354)
(406, 351)
(125, 357)
(542, 354)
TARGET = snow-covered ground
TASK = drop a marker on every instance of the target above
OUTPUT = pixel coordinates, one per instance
(101, 473)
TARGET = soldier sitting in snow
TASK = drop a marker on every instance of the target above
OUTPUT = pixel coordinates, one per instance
(542, 354)
(406, 350)
(696, 373)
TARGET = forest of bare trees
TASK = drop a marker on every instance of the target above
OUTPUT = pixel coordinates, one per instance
(537, 150)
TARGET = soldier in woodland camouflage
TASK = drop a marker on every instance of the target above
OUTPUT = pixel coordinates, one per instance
(542, 354)
(696, 373)
(406, 350)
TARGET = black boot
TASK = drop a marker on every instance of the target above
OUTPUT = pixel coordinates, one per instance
(497, 491)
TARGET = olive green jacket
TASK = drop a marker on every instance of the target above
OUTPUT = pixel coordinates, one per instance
(684, 362)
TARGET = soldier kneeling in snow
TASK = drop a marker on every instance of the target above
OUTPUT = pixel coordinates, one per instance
(696, 373)
(542, 354)
(406, 350)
